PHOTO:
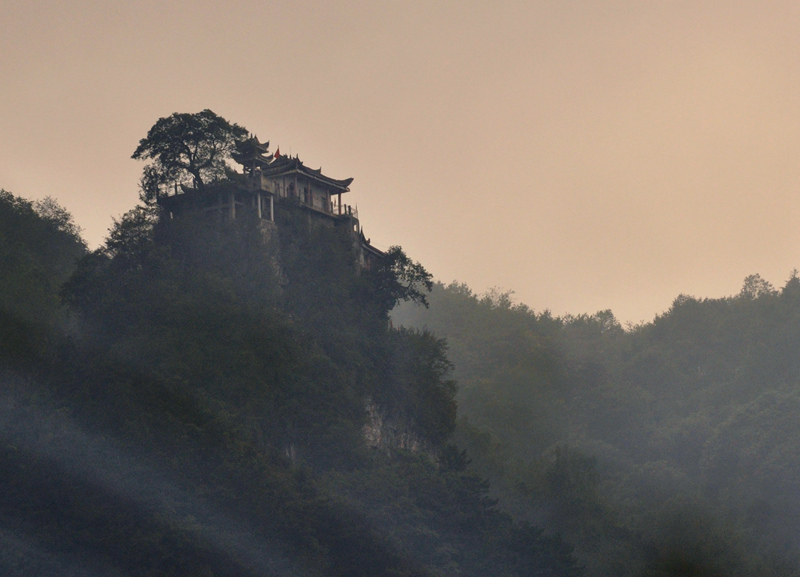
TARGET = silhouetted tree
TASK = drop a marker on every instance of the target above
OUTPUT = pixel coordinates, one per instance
(186, 145)
(398, 278)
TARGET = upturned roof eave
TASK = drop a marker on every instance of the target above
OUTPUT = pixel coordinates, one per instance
(294, 166)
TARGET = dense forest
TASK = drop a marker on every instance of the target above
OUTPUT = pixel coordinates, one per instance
(219, 399)
(667, 448)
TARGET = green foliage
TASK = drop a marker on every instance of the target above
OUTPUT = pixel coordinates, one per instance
(186, 145)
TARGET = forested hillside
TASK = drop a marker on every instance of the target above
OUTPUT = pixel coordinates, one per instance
(195, 400)
(669, 448)
(216, 393)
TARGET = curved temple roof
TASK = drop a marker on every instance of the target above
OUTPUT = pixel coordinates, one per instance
(284, 165)
(251, 153)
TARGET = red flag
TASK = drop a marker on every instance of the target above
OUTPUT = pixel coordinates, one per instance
(278, 152)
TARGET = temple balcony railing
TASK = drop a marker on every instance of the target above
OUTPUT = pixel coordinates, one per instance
(346, 210)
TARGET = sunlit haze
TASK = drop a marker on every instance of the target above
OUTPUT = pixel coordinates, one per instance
(586, 155)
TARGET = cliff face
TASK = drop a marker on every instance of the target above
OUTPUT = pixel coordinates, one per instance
(388, 432)
(297, 276)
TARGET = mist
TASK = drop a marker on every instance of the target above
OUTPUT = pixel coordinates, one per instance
(604, 384)
(666, 448)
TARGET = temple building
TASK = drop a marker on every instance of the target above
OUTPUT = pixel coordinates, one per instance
(270, 183)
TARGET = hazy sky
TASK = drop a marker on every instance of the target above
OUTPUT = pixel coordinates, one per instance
(586, 154)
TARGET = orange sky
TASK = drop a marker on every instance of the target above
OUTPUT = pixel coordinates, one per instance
(586, 154)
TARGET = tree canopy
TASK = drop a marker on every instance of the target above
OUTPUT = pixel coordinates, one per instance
(665, 449)
(184, 146)
(39, 245)
(397, 278)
